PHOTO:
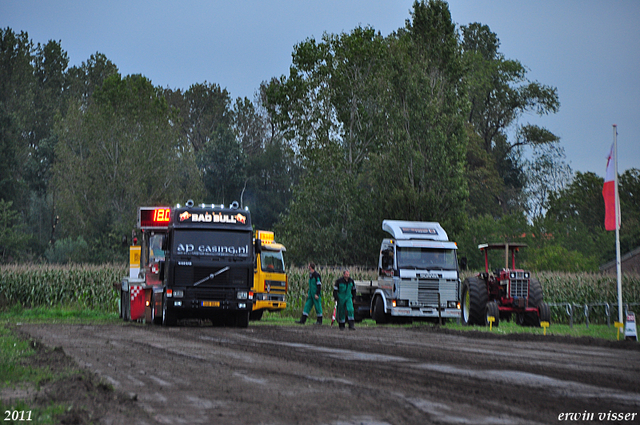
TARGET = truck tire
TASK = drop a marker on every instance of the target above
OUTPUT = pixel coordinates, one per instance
(492, 310)
(155, 318)
(168, 319)
(535, 299)
(256, 315)
(242, 319)
(378, 312)
(474, 301)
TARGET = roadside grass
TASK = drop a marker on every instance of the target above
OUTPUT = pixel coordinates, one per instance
(577, 331)
(17, 313)
(19, 377)
(505, 328)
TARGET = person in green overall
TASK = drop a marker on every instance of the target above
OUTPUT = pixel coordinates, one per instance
(344, 290)
(314, 296)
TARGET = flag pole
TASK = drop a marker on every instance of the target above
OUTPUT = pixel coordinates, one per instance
(617, 218)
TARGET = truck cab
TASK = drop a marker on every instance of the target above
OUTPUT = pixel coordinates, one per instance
(208, 267)
(270, 282)
(418, 275)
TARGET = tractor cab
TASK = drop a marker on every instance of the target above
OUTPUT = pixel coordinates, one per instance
(508, 285)
(503, 292)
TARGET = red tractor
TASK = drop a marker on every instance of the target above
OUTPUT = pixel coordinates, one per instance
(504, 292)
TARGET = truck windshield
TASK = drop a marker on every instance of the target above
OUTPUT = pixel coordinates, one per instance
(272, 261)
(212, 243)
(426, 258)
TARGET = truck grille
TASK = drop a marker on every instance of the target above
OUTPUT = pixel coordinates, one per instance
(425, 292)
(187, 276)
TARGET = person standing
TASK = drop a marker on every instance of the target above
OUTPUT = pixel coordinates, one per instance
(314, 296)
(344, 290)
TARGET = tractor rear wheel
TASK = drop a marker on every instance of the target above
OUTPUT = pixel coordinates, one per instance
(492, 310)
(474, 301)
(535, 299)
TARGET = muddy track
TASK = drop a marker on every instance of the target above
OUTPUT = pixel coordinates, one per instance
(375, 375)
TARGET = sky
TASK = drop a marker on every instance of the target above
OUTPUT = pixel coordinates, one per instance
(588, 49)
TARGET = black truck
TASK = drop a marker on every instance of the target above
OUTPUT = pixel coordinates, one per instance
(208, 267)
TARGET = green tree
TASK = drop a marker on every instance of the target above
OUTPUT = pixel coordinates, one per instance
(13, 236)
(121, 152)
(271, 170)
(575, 218)
(378, 127)
(500, 95)
(222, 163)
(17, 86)
(546, 172)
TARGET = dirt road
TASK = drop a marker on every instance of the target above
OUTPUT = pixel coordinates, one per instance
(376, 375)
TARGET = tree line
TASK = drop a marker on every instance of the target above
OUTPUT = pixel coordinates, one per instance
(426, 124)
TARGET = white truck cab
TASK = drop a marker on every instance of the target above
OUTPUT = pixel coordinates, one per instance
(418, 275)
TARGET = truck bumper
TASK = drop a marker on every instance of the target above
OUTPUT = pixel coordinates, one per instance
(426, 312)
(269, 305)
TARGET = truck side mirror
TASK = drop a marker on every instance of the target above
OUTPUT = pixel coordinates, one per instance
(164, 243)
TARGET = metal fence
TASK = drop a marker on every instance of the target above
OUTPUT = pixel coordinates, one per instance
(595, 310)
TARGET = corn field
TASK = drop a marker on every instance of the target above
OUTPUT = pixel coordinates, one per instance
(89, 286)
(81, 286)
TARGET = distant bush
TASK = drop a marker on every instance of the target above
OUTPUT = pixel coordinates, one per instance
(67, 250)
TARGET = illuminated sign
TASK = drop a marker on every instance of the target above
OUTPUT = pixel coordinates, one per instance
(154, 217)
(213, 218)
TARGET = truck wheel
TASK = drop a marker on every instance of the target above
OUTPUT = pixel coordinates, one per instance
(256, 315)
(378, 312)
(155, 318)
(242, 319)
(474, 301)
(535, 299)
(168, 319)
(492, 310)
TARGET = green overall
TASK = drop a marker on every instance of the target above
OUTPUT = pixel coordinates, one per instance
(315, 286)
(343, 293)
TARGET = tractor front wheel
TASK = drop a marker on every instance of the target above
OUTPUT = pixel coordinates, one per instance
(493, 311)
(474, 301)
(544, 312)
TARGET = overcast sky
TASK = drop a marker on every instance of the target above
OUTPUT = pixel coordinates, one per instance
(588, 49)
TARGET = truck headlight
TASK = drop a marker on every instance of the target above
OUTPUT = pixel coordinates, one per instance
(242, 295)
(452, 304)
(178, 293)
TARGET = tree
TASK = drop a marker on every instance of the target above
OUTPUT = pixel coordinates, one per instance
(271, 170)
(378, 128)
(222, 163)
(17, 85)
(499, 96)
(121, 152)
(575, 218)
(546, 172)
(13, 237)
